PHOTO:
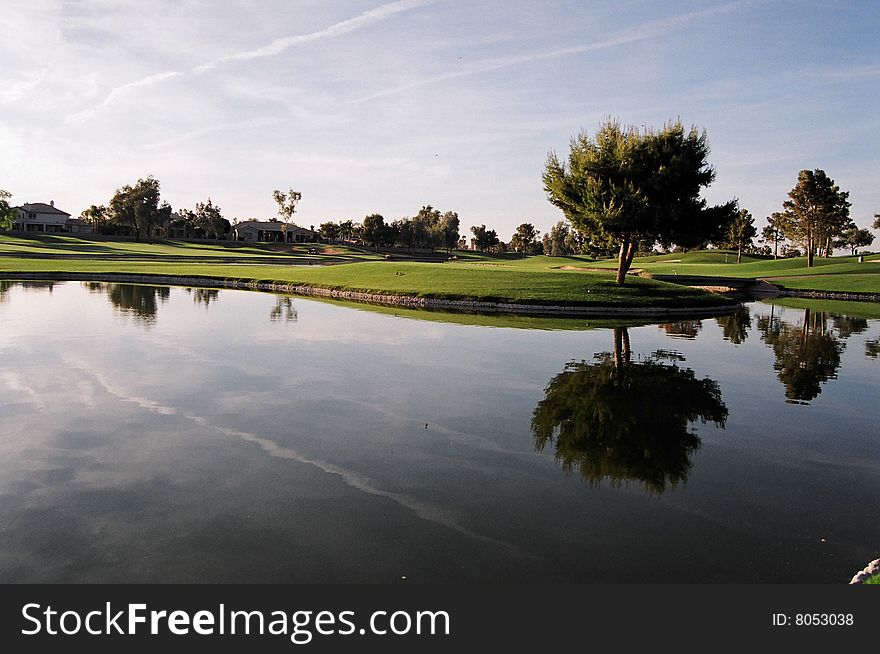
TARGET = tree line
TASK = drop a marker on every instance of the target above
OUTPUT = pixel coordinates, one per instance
(138, 210)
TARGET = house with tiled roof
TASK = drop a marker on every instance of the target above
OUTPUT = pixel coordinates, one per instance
(47, 218)
(272, 231)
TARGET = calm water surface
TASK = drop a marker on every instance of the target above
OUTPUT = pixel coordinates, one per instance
(186, 435)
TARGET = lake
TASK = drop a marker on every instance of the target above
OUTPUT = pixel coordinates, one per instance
(156, 434)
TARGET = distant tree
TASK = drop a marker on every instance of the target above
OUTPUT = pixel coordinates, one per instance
(484, 239)
(403, 230)
(525, 239)
(629, 186)
(876, 224)
(328, 230)
(772, 232)
(7, 213)
(138, 207)
(426, 228)
(206, 221)
(855, 238)
(739, 232)
(346, 230)
(374, 229)
(816, 212)
(556, 241)
(96, 216)
(449, 226)
(286, 203)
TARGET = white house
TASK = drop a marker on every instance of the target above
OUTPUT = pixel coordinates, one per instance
(42, 217)
(270, 231)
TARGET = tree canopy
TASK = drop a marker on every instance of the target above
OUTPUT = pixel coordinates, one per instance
(631, 186)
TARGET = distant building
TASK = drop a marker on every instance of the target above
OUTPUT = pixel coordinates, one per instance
(270, 231)
(42, 217)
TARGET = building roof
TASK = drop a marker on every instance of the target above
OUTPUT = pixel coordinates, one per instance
(42, 207)
(271, 226)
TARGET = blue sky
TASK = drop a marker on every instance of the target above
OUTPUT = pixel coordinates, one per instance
(366, 106)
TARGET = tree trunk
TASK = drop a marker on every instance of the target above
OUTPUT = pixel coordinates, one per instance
(739, 253)
(624, 259)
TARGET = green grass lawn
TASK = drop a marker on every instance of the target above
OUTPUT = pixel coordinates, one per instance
(468, 275)
(832, 274)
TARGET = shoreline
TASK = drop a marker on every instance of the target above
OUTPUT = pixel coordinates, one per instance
(385, 299)
(831, 295)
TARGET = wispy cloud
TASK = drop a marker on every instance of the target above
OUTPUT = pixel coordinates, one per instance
(645, 31)
(118, 91)
(337, 29)
(855, 72)
(213, 129)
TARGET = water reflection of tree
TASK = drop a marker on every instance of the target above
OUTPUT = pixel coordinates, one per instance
(846, 326)
(142, 302)
(807, 355)
(872, 348)
(7, 284)
(682, 328)
(626, 421)
(735, 326)
(204, 295)
(283, 309)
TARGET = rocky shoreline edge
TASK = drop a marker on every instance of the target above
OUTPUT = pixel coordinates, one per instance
(873, 568)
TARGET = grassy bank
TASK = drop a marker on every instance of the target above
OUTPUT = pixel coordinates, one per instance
(433, 280)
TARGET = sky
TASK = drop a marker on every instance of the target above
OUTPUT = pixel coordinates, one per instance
(365, 106)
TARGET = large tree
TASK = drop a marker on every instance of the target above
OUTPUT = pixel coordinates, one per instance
(816, 213)
(138, 207)
(633, 186)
